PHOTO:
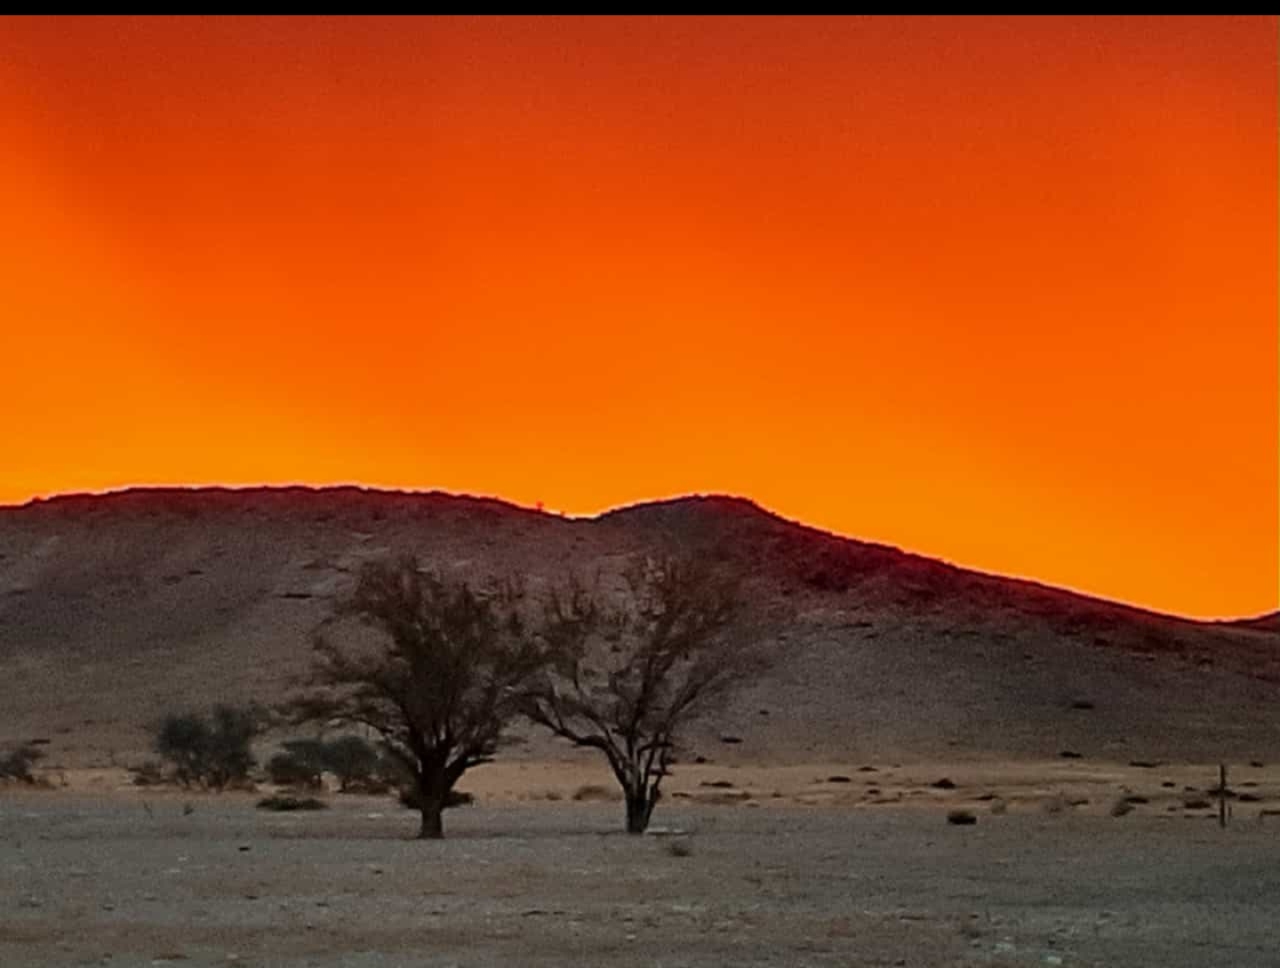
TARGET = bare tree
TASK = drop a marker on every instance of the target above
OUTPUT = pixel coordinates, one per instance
(444, 682)
(628, 676)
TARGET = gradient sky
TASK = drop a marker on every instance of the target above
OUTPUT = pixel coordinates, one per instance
(1001, 291)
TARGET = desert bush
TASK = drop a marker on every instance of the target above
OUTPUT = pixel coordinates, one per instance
(301, 764)
(1122, 807)
(355, 762)
(17, 764)
(211, 752)
(284, 802)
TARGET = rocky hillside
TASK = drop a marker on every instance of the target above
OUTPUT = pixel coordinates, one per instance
(116, 608)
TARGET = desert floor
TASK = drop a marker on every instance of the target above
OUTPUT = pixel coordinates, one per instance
(746, 866)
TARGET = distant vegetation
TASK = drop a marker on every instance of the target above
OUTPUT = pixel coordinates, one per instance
(456, 664)
(209, 751)
(353, 761)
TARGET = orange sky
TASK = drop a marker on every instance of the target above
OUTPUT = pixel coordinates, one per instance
(999, 291)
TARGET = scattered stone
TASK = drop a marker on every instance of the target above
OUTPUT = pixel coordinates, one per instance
(1082, 704)
(961, 818)
(718, 784)
(839, 778)
(943, 784)
(731, 739)
(1146, 764)
(1070, 755)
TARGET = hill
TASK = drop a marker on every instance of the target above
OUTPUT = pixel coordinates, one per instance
(115, 608)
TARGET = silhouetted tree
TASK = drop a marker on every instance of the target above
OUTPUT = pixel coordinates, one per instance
(441, 685)
(630, 675)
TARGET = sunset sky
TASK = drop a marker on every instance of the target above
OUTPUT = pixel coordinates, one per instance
(999, 291)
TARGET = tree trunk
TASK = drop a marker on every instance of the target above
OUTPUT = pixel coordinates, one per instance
(432, 809)
(639, 809)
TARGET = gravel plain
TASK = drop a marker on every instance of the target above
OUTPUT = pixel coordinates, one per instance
(128, 879)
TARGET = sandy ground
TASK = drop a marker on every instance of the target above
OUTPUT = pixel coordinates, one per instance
(782, 867)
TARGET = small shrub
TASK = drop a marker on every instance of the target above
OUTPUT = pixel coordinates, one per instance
(17, 764)
(284, 802)
(301, 765)
(355, 762)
